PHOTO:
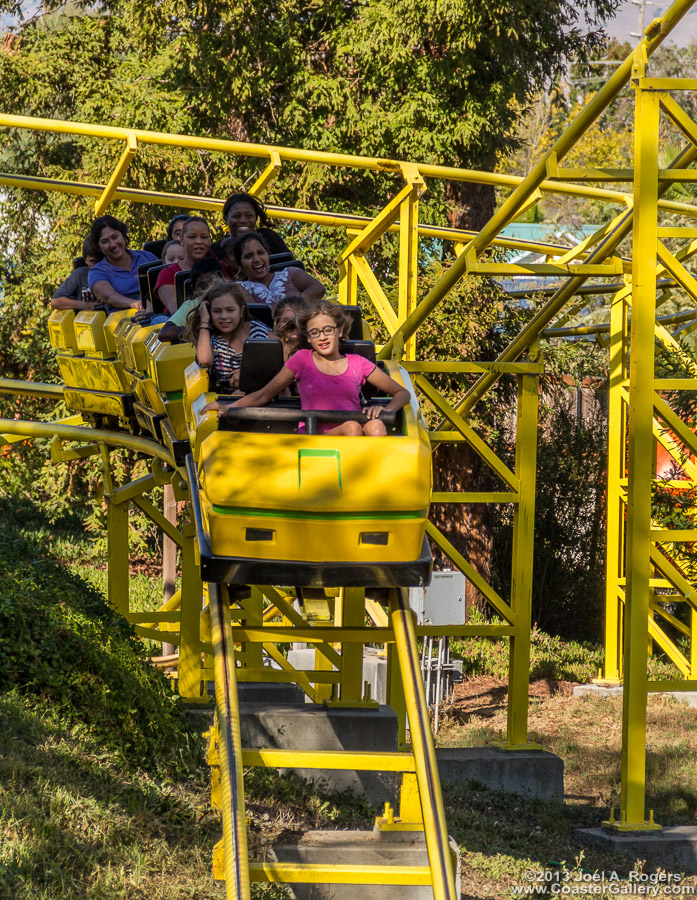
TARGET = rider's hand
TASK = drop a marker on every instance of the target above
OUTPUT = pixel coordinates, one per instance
(373, 412)
(215, 406)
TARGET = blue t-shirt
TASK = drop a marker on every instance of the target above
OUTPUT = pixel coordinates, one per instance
(123, 281)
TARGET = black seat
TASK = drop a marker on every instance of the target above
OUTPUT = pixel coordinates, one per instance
(293, 264)
(356, 329)
(362, 348)
(79, 262)
(262, 312)
(180, 280)
(279, 261)
(155, 247)
(147, 276)
(279, 258)
(262, 360)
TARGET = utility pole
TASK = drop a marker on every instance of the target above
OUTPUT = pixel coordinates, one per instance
(642, 4)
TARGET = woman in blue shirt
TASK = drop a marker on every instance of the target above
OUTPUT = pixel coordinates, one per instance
(114, 279)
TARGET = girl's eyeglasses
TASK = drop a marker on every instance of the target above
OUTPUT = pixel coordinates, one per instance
(326, 331)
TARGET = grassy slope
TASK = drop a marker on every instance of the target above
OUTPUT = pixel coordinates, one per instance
(104, 790)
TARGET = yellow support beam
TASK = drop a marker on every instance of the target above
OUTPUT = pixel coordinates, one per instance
(640, 462)
(101, 204)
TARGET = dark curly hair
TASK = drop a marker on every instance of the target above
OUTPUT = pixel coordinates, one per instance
(243, 239)
(256, 205)
(98, 227)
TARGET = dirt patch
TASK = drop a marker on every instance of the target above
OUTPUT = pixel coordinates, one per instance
(484, 697)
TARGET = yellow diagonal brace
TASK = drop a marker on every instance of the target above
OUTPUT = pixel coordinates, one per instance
(668, 647)
(130, 151)
(675, 423)
(295, 618)
(267, 175)
(675, 450)
(300, 677)
(673, 109)
(686, 281)
(668, 342)
(154, 514)
(590, 241)
(379, 225)
(376, 613)
(672, 620)
(479, 445)
(375, 292)
(497, 602)
(671, 573)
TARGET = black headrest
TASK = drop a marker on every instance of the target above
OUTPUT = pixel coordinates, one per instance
(262, 360)
(356, 330)
(79, 262)
(361, 348)
(262, 312)
(147, 276)
(180, 279)
(155, 247)
(291, 264)
(277, 258)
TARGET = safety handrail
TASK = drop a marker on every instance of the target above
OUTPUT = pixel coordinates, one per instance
(311, 417)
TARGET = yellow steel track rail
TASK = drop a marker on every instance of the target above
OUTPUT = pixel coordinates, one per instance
(230, 749)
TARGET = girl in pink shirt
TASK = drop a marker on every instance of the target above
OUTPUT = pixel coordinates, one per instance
(328, 379)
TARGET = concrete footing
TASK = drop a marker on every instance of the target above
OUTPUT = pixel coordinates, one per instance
(361, 848)
(374, 668)
(315, 727)
(308, 726)
(531, 773)
(674, 847)
(268, 692)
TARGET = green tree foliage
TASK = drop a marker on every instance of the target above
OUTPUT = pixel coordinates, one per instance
(443, 83)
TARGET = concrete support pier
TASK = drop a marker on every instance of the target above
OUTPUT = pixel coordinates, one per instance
(674, 847)
(367, 848)
(316, 727)
(531, 773)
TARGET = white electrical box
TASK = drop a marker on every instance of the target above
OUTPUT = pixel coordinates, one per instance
(442, 602)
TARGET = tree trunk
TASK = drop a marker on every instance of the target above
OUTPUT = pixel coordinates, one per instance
(471, 205)
(457, 467)
(469, 527)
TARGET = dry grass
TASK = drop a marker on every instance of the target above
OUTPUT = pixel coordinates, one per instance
(502, 836)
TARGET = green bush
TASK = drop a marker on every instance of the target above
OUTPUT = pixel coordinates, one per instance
(550, 657)
(61, 642)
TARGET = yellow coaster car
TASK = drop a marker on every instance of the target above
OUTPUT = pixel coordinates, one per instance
(274, 506)
(86, 354)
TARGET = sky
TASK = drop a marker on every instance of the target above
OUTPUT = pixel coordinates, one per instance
(627, 21)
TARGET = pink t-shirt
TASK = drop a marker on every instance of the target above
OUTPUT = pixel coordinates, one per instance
(337, 392)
